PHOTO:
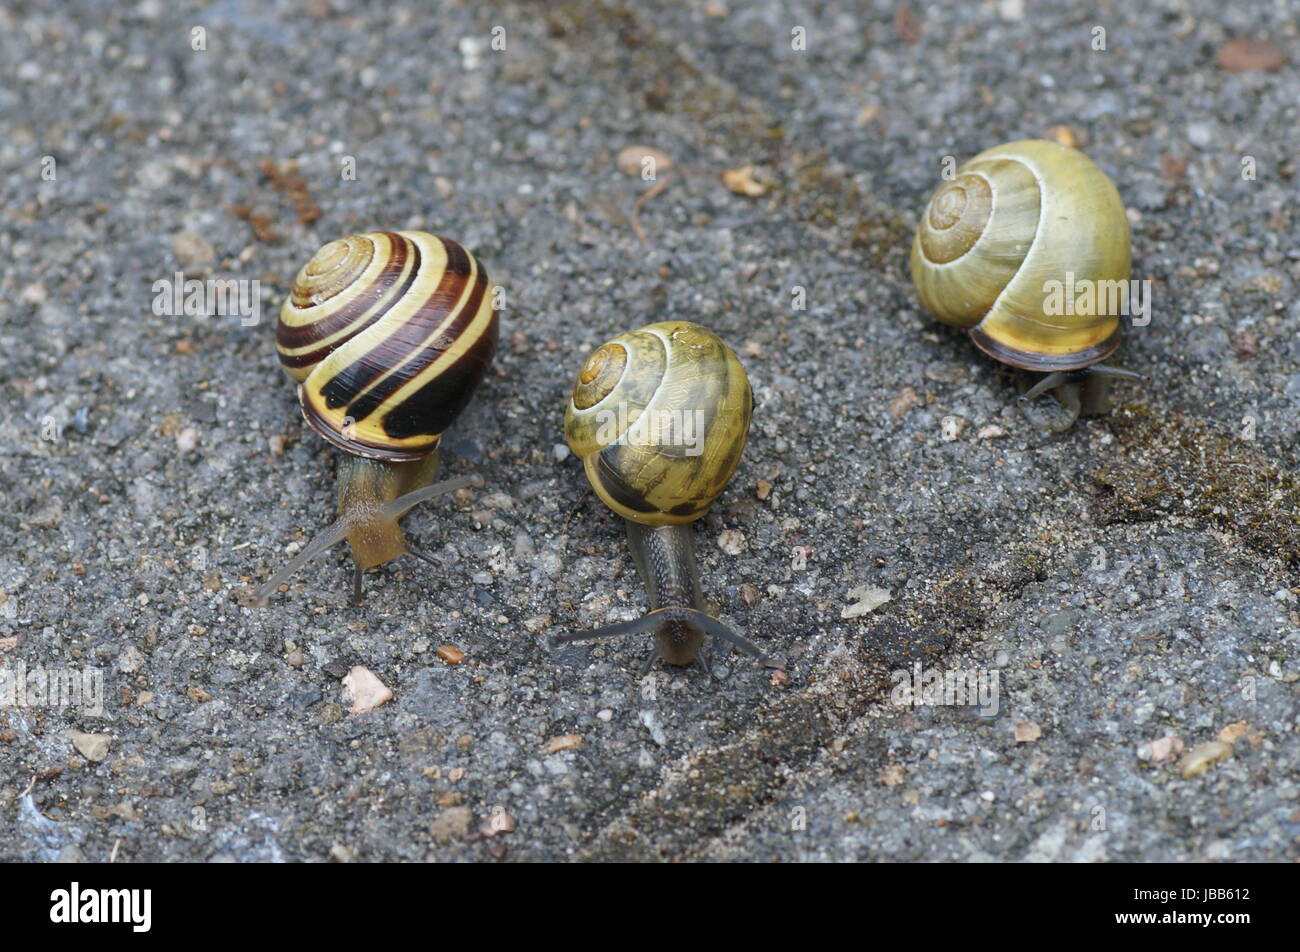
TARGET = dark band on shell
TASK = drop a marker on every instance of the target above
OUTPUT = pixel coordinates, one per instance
(389, 334)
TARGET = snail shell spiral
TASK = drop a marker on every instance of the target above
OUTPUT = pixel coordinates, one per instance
(659, 417)
(388, 333)
(1014, 218)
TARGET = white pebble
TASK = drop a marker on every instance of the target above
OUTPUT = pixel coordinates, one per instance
(950, 428)
(187, 439)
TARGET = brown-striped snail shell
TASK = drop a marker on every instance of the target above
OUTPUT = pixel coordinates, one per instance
(659, 417)
(388, 334)
(995, 245)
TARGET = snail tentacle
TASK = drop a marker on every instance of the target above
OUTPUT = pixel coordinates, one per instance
(317, 546)
(348, 523)
(651, 622)
(420, 554)
(1083, 392)
(1064, 408)
(1049, 382)
(637, 626)
(1105, 370)
(404, 504)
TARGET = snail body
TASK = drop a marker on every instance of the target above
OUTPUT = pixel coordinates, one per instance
(387, 334)
(999, 242)
(659, 417)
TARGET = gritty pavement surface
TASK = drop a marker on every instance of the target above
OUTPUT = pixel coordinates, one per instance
(1129, 587)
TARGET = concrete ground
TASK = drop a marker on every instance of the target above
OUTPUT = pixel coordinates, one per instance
(1132, 584)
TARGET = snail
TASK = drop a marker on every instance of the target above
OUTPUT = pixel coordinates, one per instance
(1002, 244)
(659, 417)
(387, 335)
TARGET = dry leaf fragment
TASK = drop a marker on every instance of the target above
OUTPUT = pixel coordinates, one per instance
(907, 24)
(1199, 758)
(1234, 732)
(366, 691)
(1173, 169)
(868, 599)
(867, 113)
(286, 178)
(1250, 52)
(651, 192)
(563, 742)
(741, 181)
(1026, 732)
(905, 400)
(451, 824)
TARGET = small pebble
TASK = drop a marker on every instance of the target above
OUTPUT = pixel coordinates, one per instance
(1164, 748)
(450, 654)
(193, 252)
(365, 691)
(91, 746)
(742, 181)
(636, 159)
(341, 854)
(1026, 732)
(731, 541)
(497, 823)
